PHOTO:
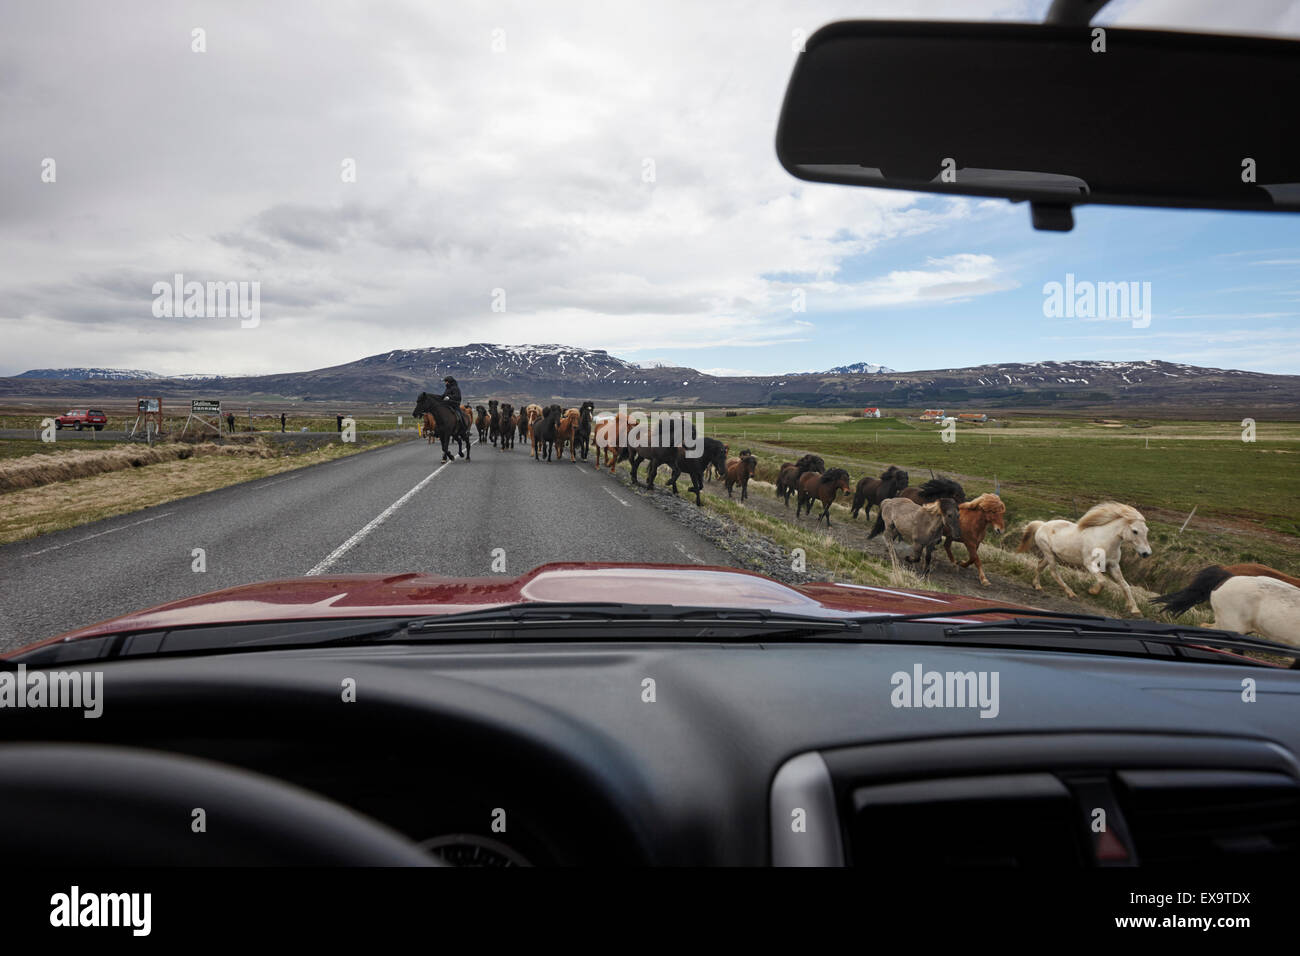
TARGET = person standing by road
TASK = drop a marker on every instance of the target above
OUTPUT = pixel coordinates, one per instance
(230, 422)
(282, 421)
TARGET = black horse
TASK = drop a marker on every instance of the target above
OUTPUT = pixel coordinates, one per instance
(582, 437)
(714, 455)
(523, 425)
(507, 429)
(544, 432)
(661, 448)
(809, 462)
(872, 491)
(449, 423)
(494, 421)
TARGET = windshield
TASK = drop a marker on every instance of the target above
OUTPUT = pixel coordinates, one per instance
(433, 308)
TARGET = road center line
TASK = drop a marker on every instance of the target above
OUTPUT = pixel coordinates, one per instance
(69, 544)
(383, 516)
(625, 504)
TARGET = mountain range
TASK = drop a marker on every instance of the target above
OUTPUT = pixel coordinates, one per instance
(569, 374)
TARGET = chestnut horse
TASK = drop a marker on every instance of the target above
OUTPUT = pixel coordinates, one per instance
(566, 431)
(977, 516)
(739, 471)
(532, 412)
(823, 488)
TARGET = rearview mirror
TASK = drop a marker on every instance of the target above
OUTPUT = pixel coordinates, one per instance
(1054, 115)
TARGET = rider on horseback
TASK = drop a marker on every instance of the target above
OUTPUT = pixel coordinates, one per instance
(451, 394)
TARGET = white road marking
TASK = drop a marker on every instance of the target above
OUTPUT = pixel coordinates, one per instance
(682, 549)
(383, 516)
(99, 533)
(625, 504)
(276, 482)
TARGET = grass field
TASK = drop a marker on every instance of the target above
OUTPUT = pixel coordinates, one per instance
(1244, 493)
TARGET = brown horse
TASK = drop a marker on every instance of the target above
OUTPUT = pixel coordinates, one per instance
(977, 516)
(785, 481)
(923, 525)
(814, 486)
(566, 432)
(739, 471)
(872, 491)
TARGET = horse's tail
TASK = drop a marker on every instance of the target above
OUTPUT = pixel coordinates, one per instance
(1027, 542)
(878, 527)
(1195, 593)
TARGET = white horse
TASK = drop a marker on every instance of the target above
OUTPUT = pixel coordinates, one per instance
(1258, 605)
(1092, 543)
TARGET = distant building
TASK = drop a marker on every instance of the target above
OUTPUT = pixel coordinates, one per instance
(972, 417)
(932, 415)
(871, 413)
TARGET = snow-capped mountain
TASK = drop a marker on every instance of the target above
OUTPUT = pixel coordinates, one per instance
(91, 374)
(857, 368)
(546, 373)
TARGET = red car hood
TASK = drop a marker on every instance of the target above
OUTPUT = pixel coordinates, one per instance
(380, 595)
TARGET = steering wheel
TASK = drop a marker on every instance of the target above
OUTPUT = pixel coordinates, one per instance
(89, 805)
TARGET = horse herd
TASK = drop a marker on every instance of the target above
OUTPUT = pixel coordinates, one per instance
(1248, 598)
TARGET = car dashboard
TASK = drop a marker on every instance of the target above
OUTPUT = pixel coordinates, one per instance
(740, 754)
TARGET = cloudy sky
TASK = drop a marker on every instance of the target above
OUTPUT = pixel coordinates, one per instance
(505, 146)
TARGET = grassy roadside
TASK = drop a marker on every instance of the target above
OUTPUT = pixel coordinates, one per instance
(30, 512)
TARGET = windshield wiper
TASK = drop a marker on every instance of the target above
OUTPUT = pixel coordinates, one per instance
(1173, 635)
(551, 615)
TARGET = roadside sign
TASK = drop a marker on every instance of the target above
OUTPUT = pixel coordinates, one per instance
(200, 406)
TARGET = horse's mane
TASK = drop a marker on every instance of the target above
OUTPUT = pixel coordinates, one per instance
(835, 474)
(1109, 511)
(937, 488)
(891, 471)
(988, 502)
(931, 506)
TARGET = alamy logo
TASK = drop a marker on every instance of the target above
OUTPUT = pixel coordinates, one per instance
(922, 688)
(1098, 300)
(76, 690)
(179, 299)
(75, 908)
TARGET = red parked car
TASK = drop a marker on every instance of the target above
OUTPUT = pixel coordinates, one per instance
(80, 418)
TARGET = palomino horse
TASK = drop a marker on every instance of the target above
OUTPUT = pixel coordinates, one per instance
(1093, 543)
(872, 491)
(923, 525)
(533, 412)
(1258, 605)
(1210, 578)
(977, 517)
(446, 421)
(739, 471)
(823, 488)
(566, 430)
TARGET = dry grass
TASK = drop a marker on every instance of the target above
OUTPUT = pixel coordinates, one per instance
(29, 512)
(34, 471)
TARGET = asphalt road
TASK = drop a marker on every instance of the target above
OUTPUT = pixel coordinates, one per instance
(392, 510)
